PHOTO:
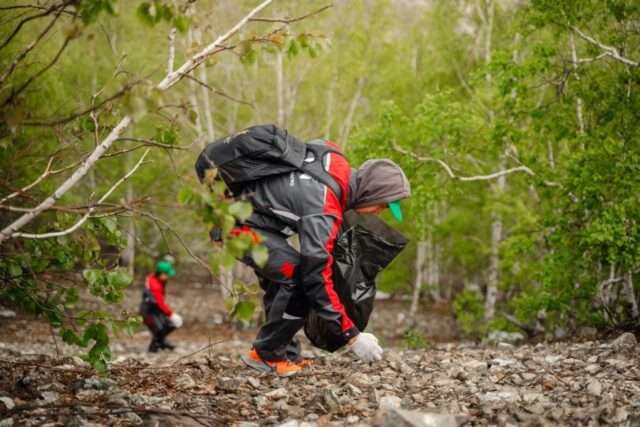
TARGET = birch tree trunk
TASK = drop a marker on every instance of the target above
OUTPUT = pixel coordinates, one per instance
(129, 254)
(330, 107)
(419, 277)
(348, 122)
(494, 260)
(631, 295)
(280, 95)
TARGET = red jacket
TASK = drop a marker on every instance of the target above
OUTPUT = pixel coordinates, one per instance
(155, 286)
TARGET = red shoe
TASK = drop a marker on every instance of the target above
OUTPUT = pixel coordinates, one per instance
(283, 368)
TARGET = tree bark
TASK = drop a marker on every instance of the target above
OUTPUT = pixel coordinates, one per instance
(631, 295)
(280, 95)
(494, 260)
(419, 277)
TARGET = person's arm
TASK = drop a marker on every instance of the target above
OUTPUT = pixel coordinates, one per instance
(157, 290)
(318, 235)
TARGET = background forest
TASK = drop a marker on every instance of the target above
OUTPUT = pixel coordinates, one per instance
(515, 121)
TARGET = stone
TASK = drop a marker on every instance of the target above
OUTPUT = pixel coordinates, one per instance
(7, 422)
(89, 394)
(457, 374)
(352, 419)
(553, 359)
(95, 383)
(253, 382)
(592, 369)
(625, 341)
(278, 393)
(396, 417)
(281, 405)
(134, 419)
(331, 399)
(496, 337)
(389, 401)
(8, 402)
(291, 423)
(497, 396)
(185, 381)
(5, 313)
(477, 366)
(505, 346)
(594, 388)
(248, 424)
(50, 396)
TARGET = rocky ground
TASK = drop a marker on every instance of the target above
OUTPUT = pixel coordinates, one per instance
(203, 383)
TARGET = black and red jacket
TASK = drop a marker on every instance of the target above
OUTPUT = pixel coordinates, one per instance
(298, 203)
(153, 294)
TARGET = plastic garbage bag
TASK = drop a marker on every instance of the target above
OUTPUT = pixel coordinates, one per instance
(364, 248)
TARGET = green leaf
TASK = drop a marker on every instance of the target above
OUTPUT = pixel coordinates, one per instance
(227, 260)
(260, 255)
(293, 49)
(244, 310)
(182, 23)
(241, 210)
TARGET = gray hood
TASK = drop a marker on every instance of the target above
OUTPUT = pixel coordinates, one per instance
(378, 181)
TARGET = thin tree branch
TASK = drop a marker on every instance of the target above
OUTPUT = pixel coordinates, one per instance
(291, 20)
(63, 120)
(197, 59)
(610, 50)
(218, 92)
(31, 79)
(29, 48)
(26, 188)
(91, 209)
(12, 228)
(150, 142)
(452, 175)
(18, 27)
(166, 225)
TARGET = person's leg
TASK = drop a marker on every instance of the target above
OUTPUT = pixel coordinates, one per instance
(276, 338)
(154, 324)
(167, 328)
(284, 302)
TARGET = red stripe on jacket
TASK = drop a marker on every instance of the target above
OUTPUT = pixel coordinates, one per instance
(340, 170)
(156, 287)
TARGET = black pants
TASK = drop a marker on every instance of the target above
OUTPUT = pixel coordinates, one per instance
(159, 325)
(285, 304)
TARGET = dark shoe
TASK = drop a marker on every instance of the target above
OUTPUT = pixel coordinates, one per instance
(154, 347)
(166, 345)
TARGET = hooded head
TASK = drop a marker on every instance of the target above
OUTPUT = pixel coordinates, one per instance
(379, 182)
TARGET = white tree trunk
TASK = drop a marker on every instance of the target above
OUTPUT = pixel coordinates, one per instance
(330, 107)
(419, 277)
(129, 255)
(280, 95)
(631, 295)
(579, 113)
(348, 122)
(494, 260)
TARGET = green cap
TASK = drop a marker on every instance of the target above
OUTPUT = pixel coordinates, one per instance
(395, 210)
(165, 267)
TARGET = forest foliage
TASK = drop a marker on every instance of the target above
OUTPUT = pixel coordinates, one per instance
(515, 121)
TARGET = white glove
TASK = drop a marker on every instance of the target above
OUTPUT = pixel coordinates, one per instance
(176, 319)
(366, 347)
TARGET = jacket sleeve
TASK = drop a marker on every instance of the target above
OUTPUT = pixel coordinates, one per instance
(157, 291)
(317, 239)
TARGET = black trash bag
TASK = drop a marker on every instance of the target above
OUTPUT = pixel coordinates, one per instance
(364, 248)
